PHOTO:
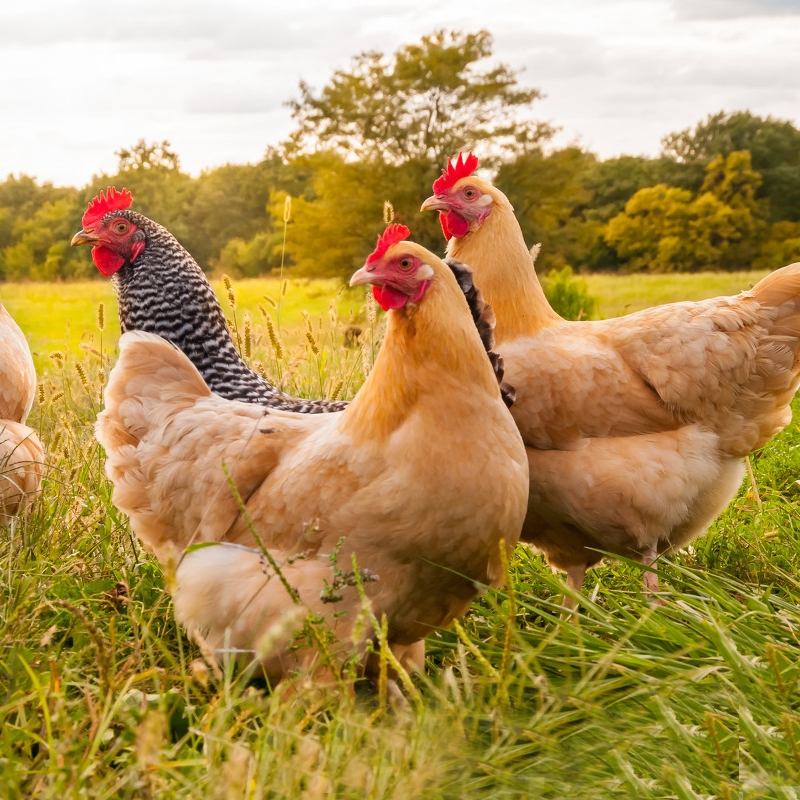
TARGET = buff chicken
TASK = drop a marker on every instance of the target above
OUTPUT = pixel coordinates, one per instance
(415, 490)
(21, 451)
(636, 428)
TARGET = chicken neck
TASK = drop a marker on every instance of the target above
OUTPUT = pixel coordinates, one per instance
(165, 292)
(504, 273)
(428, 352)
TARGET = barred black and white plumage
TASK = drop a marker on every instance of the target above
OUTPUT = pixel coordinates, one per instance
(164, 291)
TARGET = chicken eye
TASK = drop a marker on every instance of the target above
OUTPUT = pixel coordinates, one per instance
(470, 193)
(120, 227)
(405, 263)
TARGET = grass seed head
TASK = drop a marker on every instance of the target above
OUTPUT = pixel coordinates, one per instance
(372, 308)
(366, 357)
(273, 339)
(229, 289)
(79, 368)
(248, 334)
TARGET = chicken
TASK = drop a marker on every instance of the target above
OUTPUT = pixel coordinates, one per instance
(421, 499)
(21, 451)
(636, 427)
(161, 289)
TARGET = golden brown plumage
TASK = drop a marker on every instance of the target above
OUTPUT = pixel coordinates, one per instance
(635, 427)
(21, 452)
(420, 478)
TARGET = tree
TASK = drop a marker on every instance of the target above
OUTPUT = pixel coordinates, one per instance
(774, 145)
(429, 101)
(143, 157)
(665, 229)
(781, 246)
(160, 190)
(331, 233)
(36, 224)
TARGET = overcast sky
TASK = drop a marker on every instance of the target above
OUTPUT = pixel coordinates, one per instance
(79, 80)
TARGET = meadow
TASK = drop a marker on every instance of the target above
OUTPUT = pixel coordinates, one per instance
(101, 696)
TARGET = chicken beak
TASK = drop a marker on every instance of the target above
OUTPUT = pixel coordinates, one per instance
(362, 276)
(85, 237)
(434, 203)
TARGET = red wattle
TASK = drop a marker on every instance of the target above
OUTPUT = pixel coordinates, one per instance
(445, 229)
(388, 298)
(106, 261)
(456, 226)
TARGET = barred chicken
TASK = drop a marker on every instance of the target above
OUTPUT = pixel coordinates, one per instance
(161, 289)
(422, 480)
(636, 428)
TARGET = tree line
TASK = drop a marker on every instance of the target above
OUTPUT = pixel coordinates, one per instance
(722, 195)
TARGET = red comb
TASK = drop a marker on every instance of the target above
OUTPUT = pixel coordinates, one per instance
(102, 204)
(463, 168)
(392, 235)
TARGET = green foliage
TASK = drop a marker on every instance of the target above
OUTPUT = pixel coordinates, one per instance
(774, 145)
(546, 191)
(568, 296)
(332, 231)
(781, 247)
(33, 220)
(425, 103)
(666, 229)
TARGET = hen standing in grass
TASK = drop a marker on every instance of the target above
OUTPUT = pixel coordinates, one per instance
(636, 427)
(161, 289)
(422, 499)
(21, 452)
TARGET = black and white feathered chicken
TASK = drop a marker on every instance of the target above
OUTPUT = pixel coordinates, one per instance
(161, 289)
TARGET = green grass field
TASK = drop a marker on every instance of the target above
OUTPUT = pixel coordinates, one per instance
(101, 696)
(62, 316)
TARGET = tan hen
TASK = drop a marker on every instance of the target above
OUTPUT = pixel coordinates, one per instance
(635, 427)
(21, 452)
(418, 479)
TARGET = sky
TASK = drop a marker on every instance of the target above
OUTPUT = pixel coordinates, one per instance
(80, 80)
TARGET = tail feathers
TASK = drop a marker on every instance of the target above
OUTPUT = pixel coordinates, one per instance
(173, 449)
(763, 402)
(779, 286)
(21, 468)
(484, 319)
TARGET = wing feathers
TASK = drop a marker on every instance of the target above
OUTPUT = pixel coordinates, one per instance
(173, 448)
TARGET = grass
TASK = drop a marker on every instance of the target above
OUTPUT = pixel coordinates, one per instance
(101, 696)
(617, 295)
(62, 316)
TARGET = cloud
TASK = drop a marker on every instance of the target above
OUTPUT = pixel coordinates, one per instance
(734, 9)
